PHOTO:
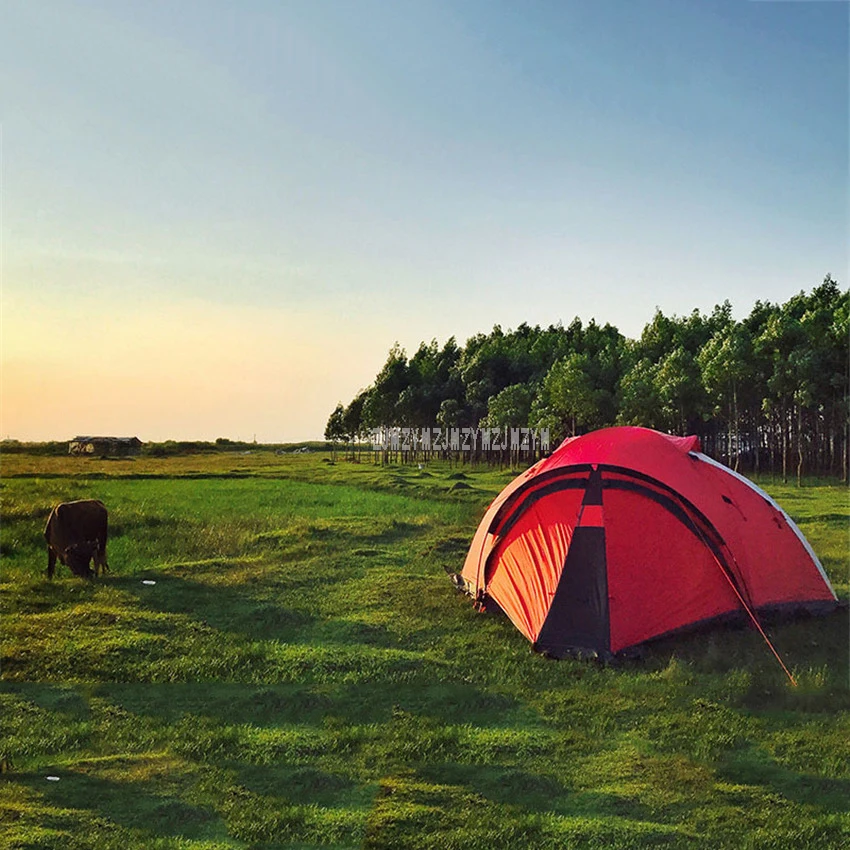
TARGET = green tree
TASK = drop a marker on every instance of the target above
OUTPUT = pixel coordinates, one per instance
(638, 397)
(510, 408)
(570, 393)
(380, 405)
(352, 419)
(725, 363)
(780, 337)
(450, 414)
(335, 428)
(679, 389)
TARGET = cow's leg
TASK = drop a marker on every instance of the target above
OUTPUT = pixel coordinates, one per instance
(88, 572)
(100, 565)
(51, 562)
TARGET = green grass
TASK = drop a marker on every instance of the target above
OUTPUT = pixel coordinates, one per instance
(303, 674)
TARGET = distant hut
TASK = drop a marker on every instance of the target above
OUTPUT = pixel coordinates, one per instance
(104, 446)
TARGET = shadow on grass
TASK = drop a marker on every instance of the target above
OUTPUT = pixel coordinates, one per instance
(68, 700)
(754, 767)
(226, 703)
(804, 642)
(229, 608)
(40, 595)
(840, 520)
(453, 546)
(306, 785)
(127, 804)
(352, 632)
(396, 532)
(440, 702)
(507, 785)
(305, 704)
(329, 760)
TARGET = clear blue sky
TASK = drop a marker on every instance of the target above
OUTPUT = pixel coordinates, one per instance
(228, 212)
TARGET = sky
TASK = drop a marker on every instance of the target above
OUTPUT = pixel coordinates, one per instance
(218, 217)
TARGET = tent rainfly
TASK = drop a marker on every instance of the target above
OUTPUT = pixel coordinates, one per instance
(626, 534)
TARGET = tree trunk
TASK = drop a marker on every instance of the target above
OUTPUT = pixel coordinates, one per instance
(784, 444)
(757, 433)
(845, 454)
(831, 449)
(735, 425)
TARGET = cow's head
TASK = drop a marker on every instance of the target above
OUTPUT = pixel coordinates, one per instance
(79, 555)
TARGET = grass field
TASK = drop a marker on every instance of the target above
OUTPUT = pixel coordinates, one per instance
(303, 674)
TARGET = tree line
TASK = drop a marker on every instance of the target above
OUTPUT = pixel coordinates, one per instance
(768, 393)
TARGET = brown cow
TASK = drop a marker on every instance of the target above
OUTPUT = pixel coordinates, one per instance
(76, 534)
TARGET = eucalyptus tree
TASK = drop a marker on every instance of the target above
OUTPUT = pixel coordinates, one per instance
(335, 428)
(352, 420)
(569, 394)
(510, 408)
(638, 399)
(679, 389)
(380, 405)
(725, 363)
(781, 335)
(820, 362)
(776, 380)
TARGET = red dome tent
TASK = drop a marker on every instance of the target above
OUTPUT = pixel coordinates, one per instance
(625, 534)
